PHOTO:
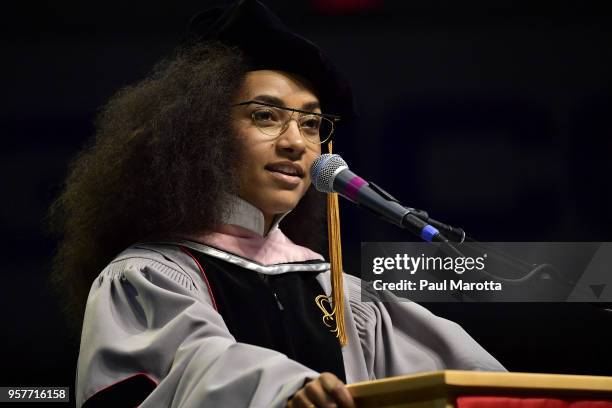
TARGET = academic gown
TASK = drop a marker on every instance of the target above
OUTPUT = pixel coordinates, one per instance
(163, 325)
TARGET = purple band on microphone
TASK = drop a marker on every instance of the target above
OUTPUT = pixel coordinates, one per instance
(353, 186)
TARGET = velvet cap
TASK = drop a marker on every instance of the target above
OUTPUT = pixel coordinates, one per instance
(269, 44)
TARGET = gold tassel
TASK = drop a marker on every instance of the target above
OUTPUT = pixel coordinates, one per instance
(335, 258)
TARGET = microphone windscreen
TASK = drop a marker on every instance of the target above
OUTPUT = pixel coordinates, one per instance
(323, 171)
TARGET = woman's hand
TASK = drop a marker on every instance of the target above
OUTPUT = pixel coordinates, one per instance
(322, 392)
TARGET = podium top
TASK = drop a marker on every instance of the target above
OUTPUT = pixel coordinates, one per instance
(450, 384)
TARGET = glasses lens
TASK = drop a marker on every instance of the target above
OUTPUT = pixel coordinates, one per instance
(316, 129)
(268, 120)
(326, 129)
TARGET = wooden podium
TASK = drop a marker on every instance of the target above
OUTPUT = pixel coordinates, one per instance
(440, 389)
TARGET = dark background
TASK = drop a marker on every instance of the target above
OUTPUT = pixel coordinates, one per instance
(494, 117)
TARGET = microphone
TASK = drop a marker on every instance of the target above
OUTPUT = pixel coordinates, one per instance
(330, 174)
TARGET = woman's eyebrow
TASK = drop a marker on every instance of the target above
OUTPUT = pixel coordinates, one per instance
(308, 106)
(270, 99)
(311, 106)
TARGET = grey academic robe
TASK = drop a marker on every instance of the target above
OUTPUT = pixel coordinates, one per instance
(149, 312)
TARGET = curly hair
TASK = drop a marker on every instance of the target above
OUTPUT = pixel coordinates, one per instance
(163, 162)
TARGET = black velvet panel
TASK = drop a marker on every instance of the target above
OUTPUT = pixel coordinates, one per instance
(274, 311)
(126, 393)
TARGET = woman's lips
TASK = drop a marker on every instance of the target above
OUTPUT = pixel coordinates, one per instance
(286, 167)
(291, 181)
(286, 172)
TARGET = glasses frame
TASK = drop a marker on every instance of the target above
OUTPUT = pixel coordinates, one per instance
(332, 118)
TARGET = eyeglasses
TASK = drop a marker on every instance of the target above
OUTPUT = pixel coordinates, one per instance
(273, 120)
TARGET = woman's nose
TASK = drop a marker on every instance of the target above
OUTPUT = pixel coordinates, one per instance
(291, 138)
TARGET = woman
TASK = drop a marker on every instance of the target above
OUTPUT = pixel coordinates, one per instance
(211, 304)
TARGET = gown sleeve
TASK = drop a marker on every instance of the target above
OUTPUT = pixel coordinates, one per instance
(399, 337)
(152, 336)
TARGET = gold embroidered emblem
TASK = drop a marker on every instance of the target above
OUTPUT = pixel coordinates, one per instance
(328, 317)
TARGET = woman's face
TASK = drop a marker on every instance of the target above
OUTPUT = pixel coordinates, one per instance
(275, 173)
